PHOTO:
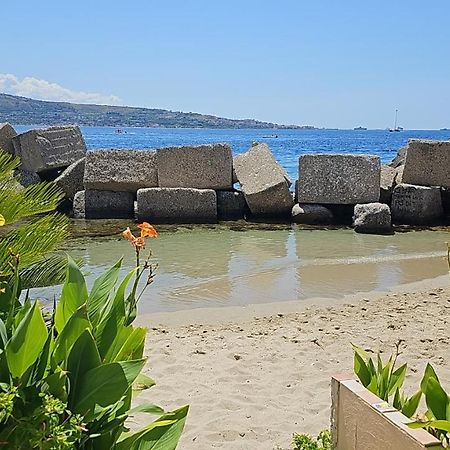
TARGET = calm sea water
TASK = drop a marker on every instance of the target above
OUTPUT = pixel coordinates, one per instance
(286, 147)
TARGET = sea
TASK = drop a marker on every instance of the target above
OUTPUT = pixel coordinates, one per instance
(286, 145)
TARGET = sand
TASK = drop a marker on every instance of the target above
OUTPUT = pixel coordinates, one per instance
(254, 376)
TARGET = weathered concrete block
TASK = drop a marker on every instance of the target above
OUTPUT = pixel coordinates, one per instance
(103, 205)
(388, 180)
(71, 180)
(7, 133)
(50, 148)
(231, 205)
(177, 205)
(312, 214)
(416, 205)
(120, 170)
(201, 167)
(264, 182)
(427, 163)
(372, 218)
(399, 159)
(338, 179)
(26, 178)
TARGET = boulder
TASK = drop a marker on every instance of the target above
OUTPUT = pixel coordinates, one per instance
(427, 163)
(338, 179)
(399, 159)
(388, 180)
(177, 205)
(416, 205)
(120, 170)
(372, 218)
(231, 205)
(7, 133)
(26, 178)
(71, 180)
(264, 182)
(312, 214)
(49, 149)
(91, 204)
(201, 167)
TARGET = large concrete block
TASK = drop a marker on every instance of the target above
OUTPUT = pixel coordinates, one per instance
(390, 177)
(51, 148)
(201, 167)
(312, 214)
(103, 205)
(416, 205)
(427, 163)
(338, 179)
(231, 205)
(71, 180)
(264, 182)
(177, 205)
(7, 133)
(372, 218)
(120, 170)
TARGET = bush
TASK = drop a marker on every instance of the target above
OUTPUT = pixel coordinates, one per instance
(306, 442)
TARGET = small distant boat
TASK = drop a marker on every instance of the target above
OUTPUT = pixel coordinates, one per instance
(444, 129)
(396, 127)
(360, 128)
(271, 136)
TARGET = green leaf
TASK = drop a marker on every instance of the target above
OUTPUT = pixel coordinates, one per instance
(147, 408)
(361, 370)
(74, 294)
(436, 399)
(143, 382)
(101, 292)
(27, 342)
(429, 373)
(410, 406)
(133, 347)
(83, 357)
(163, 434)
(44, 359)
(443, 425)
(76, 324)
(56, 384)
(397, 378)
(105, 385)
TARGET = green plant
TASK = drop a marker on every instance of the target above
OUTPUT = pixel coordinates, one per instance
(437, 418)
(38, 236)
(307, 442)
(385, 380)
(69, 383)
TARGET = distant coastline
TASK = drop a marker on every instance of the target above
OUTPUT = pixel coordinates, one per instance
(27, 111)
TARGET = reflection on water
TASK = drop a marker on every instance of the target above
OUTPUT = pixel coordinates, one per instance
(219, 267)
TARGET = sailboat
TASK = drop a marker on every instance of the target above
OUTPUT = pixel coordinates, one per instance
(396, 128)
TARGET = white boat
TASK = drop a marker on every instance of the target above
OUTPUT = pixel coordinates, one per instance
(396, 127)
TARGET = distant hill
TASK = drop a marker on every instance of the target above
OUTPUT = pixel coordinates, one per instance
(27, 111)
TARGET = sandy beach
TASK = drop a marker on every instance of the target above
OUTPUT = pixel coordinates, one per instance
(255, 375)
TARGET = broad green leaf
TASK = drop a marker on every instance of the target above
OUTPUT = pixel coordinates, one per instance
(397, 378)
(74, 294)
(133, 347)
(361, 352)
(27, 342)
(143, 382)
(120, 339)
(436, 399)
(361, 370)
(101, 291)
(429, 373)
(148, 408)
(3, 335)
(410, 406)
(56, 384)
(76, 324)
(105, 385)
(443, 425)
(163, 434)
(44, 359)
(82, 358)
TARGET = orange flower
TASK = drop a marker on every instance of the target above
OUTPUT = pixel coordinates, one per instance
(147, 230)
(139, 243)
(128, 235)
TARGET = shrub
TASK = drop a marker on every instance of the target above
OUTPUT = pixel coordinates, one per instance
(306, 442)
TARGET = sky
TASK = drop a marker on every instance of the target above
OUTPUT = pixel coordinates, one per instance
(327, 63)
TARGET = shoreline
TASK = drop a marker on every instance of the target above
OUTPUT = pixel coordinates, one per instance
(255, 375)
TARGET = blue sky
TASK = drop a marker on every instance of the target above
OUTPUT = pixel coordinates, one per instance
(324, 62)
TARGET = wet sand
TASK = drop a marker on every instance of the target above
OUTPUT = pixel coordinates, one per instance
(254, 375)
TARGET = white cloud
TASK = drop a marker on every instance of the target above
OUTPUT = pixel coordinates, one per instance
(45, 90)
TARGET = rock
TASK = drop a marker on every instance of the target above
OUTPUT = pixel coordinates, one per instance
(27, 178)
(445, 196)
(51, 148)
(71, 180)
(7, 133)
(177, 205)
(103, 205)
(120, 170)
(399, 159)
(201, 167)
(264, 182)
(312, 214)
(372, 218)
(231, 205)
(388, 180)
(338, 179)
(427, 163)
(415, 205)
